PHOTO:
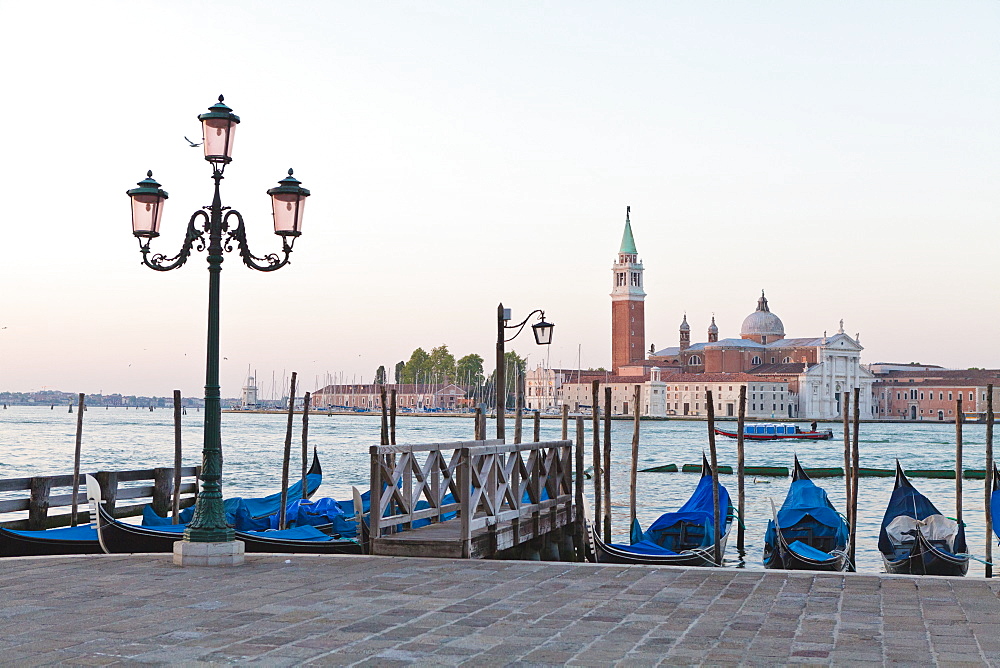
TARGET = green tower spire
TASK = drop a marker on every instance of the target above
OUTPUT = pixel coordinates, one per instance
(628, 243)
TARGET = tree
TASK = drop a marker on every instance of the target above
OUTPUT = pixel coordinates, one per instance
(442, 364)
(400, 366)
(380, 376)
(418, 367)
(469, 370)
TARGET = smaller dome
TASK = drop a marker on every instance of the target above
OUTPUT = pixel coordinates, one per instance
(685, 327)
(712, 329)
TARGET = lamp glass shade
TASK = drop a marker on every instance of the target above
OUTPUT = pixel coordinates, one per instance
(217, 134)
(543, 332)
(287, 209)
(288, 199)
(147, 211)
(147, 207)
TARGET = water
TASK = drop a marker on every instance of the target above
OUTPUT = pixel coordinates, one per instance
(40, 441)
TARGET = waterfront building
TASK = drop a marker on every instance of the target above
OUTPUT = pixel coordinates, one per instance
(248, 397)
(930, 393)
(409, 396)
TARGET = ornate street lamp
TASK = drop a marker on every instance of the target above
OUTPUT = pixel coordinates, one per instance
(543, 337)
(211, 228)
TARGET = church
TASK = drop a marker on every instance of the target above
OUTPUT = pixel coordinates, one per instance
(799, 377)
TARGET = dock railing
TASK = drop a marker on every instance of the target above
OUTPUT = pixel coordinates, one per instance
(114, 488)
(489, 482)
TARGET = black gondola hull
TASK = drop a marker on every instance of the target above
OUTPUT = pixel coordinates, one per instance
(120, 538)
(786, 559)
(608, 554)
(925, 559)
(16, 545)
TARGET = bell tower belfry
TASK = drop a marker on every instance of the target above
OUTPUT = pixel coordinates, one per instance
(628, 322)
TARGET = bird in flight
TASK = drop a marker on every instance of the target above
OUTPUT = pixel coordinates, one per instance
(192, 143)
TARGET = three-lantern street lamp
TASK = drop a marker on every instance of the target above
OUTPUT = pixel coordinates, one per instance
(543, 337)
(216, 228)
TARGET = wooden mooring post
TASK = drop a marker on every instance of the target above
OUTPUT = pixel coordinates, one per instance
(847, 458)
(76, 457)
(579, 538)
(392, 417)
(632, 480)
(285, 461)
(477, 434)
(384, 430)
(595, 409)
(959, 418)
(536, 435)
(741, 469)
(518, 410)
(607, 463)
(855, 469)
(565, 422)
(717, 517)
(305, 444)
(989, 482)
(176, 505)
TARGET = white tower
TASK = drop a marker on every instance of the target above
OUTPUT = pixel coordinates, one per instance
(249, 399)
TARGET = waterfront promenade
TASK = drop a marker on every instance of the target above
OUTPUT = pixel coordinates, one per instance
(282, 610)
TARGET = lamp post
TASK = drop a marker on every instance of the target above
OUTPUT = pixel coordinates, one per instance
(211, 228)
(543, 337)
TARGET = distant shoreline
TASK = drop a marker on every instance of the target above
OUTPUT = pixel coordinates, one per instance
(528, 416)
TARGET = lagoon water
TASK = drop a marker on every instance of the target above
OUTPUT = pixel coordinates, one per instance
(40, 441)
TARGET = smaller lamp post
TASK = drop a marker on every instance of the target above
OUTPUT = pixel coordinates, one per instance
(543, 336)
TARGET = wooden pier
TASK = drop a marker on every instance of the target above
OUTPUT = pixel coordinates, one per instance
(474, 500)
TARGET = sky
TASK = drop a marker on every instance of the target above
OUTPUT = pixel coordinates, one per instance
(842, 156)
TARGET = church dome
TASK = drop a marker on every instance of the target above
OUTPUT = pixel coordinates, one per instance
(713, 328)
(685, 327)
(762, 322)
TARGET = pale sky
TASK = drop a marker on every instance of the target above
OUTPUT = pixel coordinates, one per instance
(843, 156)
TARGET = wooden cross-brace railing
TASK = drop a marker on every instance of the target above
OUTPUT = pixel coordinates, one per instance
(476, 483)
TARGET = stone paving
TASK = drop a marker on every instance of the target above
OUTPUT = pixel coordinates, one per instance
(381, 611)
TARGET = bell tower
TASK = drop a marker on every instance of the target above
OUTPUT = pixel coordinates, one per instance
(628, 322)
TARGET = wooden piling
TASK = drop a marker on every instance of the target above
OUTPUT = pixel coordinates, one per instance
(176, 505)
(607, 463)
(855, 469)
(518, 409)
(282, 511)
(565, 422)
(537, 427)
(595, 409)
(477, 435)
(581, 525)
(632, 482)
(959, 418)
(989, 482)
(305, 444)
(392, 417)
(76, 459)
(717, 517)
(38, 503)
(848, 479)
(741, 467)
(384, 432)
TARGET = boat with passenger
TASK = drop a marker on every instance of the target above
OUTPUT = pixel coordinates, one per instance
(777, 432)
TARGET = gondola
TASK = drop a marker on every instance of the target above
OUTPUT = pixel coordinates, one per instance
(807, 533)
(120, 538)
(777, 432)
(252, 513)
(681, 538)
(916, 539)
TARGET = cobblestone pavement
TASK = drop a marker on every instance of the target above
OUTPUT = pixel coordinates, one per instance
(340, 610)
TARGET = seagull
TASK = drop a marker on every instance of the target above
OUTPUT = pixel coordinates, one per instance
(192, 143)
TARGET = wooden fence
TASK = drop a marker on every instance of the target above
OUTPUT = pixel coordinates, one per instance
(40, 497)
(490, 483)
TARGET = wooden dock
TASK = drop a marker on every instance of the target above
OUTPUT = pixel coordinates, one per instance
(474, 500)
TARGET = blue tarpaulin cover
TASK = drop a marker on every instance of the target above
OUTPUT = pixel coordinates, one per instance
(906, 500)
(84, 532)
(808, 551)
(807, 503)
(645, 547)
(995, 508)
(244, 514)
(298, 533)
(697, 510)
